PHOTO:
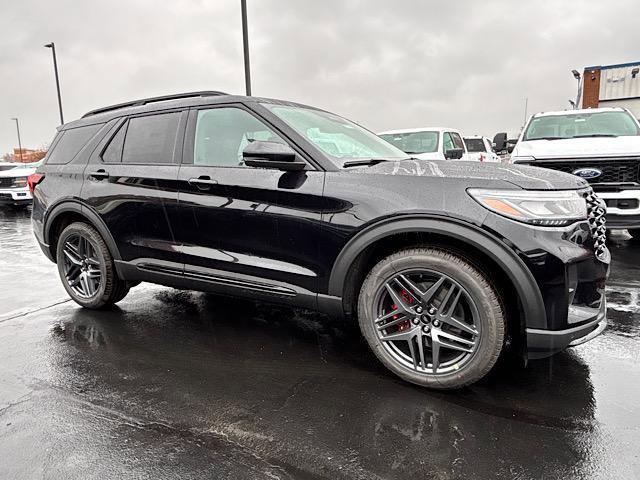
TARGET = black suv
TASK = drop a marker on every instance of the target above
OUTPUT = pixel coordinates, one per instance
(444, 264)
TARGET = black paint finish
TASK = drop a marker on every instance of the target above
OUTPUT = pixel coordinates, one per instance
(298, 236)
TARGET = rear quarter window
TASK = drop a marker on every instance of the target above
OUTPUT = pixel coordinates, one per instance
(69, 143)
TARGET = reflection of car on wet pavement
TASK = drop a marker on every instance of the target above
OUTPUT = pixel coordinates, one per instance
(198, 385)
(443, 263)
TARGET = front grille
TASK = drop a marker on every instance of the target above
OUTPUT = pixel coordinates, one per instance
(624, 170)
(6, 182)
(596, 211)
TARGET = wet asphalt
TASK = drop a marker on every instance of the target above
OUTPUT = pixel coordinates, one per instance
(175, 384)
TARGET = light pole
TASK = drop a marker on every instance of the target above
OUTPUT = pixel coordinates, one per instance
(245, 44)
(578, 77)
(19, 141)
(52, 46)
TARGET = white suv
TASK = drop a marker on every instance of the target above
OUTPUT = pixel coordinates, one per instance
(428, 143)
(14, 189)
(601, 145)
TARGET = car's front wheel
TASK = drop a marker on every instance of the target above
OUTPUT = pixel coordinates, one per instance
(432, 317)
(86, 267)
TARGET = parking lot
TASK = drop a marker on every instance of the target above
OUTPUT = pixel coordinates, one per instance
(188, 385)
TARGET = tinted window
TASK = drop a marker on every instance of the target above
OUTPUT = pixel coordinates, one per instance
(70, 143)
(475, 144)
(222, 134)
(413, 142)
(151, 139)
(113, 152)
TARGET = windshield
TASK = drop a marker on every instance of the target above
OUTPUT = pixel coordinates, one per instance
(597, 124)
(475, 145)
(414, 142)
(338, 138)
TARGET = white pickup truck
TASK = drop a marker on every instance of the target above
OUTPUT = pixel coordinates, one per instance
(14, 189)
(601, 145)
(428, 143)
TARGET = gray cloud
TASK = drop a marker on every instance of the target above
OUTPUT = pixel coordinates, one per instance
(466, 64)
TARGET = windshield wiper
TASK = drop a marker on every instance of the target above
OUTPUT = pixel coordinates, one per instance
(548, 138)
(364, 162)
(595, 135)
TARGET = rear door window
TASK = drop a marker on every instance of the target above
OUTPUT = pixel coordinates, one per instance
(113, 152)
(475, 144)
(151, 139)
(70, 143)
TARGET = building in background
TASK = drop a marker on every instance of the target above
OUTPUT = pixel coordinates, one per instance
(612, 86)
(28, 155)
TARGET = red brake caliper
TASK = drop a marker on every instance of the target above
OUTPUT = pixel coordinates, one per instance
(407, 298)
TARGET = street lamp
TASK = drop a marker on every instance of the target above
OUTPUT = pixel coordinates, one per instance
(245, 44)
(19, 141)
(52, 46)
(578, 77)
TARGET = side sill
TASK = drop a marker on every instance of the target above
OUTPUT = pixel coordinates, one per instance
(173, 275)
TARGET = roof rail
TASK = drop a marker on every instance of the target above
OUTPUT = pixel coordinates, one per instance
(144, 101)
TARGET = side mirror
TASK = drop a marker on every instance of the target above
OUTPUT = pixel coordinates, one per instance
(272, 155)
(454, 154)
(500, 142)
(511, 144)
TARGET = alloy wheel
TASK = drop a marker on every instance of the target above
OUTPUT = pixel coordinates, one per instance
(82, 268)
(427, 321)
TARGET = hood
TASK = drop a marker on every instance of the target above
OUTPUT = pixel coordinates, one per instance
(579, 147)
(17, 172)
(476, 174)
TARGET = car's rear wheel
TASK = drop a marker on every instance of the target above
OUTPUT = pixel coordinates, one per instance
(86, 267)
(432, 317)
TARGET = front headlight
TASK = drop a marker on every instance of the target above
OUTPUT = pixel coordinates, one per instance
(544, 208)
(20, 181)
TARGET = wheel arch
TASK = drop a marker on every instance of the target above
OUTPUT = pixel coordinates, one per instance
(410, 231)
(69, 211)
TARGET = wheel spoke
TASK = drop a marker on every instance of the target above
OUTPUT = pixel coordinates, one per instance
(420, 340)
(93, 273)
(458, 324)
(400, 303)
(405, 335)
(71, 254)
(84, 282)
(435, 354)
(446, 307)
(401, 318)
(414, 290)
(455, 338)
(412, 350)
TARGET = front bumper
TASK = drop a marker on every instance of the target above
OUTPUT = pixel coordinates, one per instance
(623, 207)
(544, 343)
(15, 196)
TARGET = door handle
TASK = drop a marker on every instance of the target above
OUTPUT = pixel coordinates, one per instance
(203, 182)
(99, 174)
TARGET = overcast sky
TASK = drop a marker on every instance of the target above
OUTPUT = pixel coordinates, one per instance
(386, 64)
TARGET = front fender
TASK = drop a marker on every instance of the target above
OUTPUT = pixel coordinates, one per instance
(492, 247)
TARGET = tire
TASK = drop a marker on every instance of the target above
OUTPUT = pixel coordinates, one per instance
(86, 268)
(440, 299)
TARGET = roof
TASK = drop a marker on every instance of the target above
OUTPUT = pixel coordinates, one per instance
(168, 102)
(616, 65)
(421, 129)
(474, 136)
(580, 111)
